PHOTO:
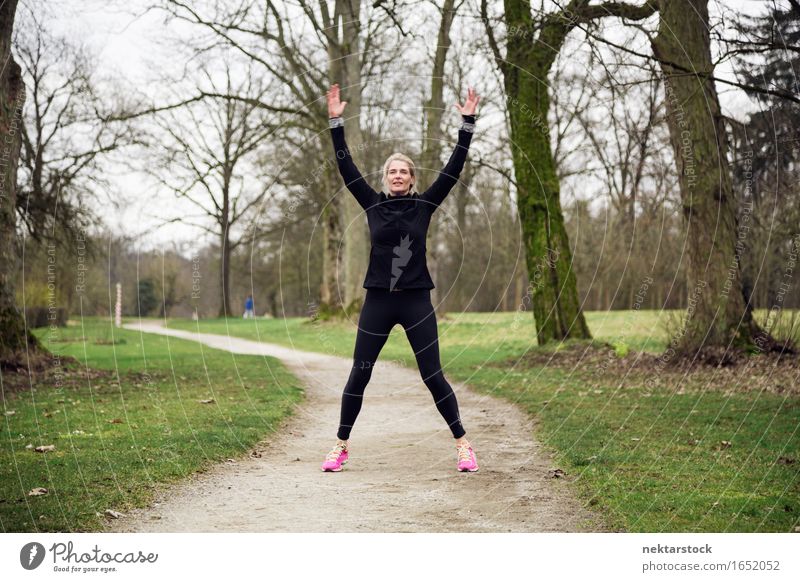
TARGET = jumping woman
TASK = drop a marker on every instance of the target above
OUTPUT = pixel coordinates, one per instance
(397, 282)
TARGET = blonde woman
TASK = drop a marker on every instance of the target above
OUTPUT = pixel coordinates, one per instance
(398, 283)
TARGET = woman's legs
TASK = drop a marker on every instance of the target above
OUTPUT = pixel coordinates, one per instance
(419, 321)
(374, 325)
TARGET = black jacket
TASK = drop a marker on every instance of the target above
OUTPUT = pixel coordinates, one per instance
(398, 225)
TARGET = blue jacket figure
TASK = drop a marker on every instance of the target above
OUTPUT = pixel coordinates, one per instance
(248, 307)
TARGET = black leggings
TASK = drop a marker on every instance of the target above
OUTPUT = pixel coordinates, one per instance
(412, 309)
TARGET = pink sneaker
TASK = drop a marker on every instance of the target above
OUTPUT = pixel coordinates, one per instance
(336, 458)
(466, 458)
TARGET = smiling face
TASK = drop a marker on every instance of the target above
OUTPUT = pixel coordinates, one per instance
(399, 178)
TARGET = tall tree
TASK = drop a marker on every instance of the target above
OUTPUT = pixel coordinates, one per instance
(343, 32)
(719, 319)
(13, 335)
(532, 46)
(432, 144)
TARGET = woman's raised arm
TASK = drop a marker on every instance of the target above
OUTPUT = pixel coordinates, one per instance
(448, 177)
(353, 179)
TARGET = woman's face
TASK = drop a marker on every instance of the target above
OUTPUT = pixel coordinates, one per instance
(399, 177)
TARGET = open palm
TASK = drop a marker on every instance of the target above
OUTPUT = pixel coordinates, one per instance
(335, 106)
(471, 104)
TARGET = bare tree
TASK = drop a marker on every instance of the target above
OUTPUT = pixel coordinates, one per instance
(208, 158)
(64, 134)
(624, 130)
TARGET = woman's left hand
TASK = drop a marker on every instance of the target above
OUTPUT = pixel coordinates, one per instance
(471, 104)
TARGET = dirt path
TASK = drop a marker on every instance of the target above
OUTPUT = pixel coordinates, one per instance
(285, 490)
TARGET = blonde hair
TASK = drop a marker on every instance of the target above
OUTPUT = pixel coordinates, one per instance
(397, 156)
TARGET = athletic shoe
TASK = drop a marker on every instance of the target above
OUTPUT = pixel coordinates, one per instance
(466, 458)
(336, 458)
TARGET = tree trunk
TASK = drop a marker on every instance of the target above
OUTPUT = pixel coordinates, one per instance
(356, 239)
(432, 145)
(225, 273)
(717, 317)
(518, 290)
(330, 302)
(459, 294)
(556, 307)
(13, 337)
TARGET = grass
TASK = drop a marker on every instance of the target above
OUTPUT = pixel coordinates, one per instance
(654, 450)
(131, 420)
(642, 330)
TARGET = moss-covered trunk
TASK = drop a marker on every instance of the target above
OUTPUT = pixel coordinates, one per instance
(553, 287)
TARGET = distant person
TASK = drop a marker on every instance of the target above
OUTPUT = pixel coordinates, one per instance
(248, 307)
(398, 283)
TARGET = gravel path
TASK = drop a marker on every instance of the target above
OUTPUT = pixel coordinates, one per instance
(401, 475)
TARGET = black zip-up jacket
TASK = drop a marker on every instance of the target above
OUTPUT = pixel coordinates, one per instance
(398, 225)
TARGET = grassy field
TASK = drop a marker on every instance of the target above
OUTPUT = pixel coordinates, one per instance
(133, 419)
(655, 450)
(638, 330)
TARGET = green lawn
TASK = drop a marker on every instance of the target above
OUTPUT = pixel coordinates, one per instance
(136, 422)
(645, 446)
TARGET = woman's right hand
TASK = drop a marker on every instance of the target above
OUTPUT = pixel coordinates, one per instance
(335, 107)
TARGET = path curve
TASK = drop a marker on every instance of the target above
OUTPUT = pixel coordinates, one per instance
(285, 491)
